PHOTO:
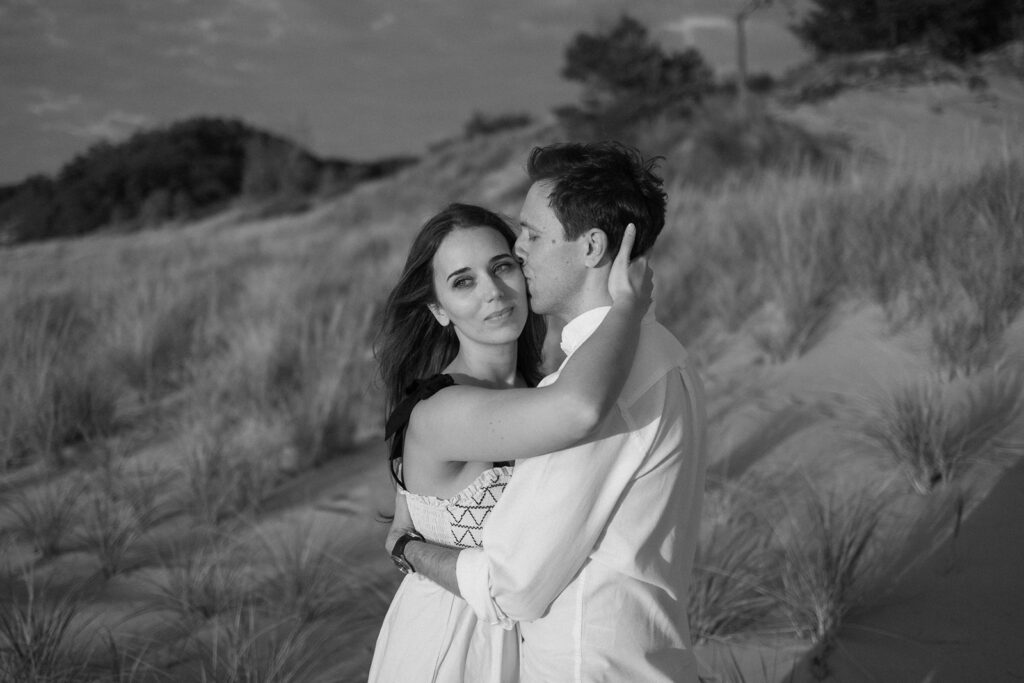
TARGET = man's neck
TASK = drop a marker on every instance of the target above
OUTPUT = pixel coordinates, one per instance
(593, 294)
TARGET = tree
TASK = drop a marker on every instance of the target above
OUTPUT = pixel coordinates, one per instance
(174, 172)
(954, 29)
(747, 8)
(627, 77)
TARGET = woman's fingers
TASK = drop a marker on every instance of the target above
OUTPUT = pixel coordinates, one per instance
(626, 246)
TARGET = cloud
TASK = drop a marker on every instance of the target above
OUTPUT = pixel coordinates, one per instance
(30, 17)
(689, 26)
(114, 124)
(49, 102)
(383, 21)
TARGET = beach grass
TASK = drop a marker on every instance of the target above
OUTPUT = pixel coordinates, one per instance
(935, 429)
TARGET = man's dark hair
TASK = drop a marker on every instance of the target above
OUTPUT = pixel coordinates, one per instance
(604, 185)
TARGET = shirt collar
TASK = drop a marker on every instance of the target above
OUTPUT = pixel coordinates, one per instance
(579, 329)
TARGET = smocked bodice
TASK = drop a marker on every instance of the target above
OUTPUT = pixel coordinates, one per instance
(457, 522)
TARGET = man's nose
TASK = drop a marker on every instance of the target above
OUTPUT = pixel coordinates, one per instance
(519, 250)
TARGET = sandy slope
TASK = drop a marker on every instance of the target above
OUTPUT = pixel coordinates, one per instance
(960, 617)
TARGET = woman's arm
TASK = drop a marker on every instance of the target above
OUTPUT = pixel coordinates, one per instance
(466, 423)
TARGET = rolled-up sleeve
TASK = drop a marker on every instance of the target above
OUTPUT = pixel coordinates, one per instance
(546, 524)
(475, 586)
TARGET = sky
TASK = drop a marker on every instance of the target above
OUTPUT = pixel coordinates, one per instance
(358, 79)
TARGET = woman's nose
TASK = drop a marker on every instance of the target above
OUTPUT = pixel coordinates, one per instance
(494, 289)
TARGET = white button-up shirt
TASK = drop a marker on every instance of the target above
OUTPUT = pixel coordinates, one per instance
(591, 548)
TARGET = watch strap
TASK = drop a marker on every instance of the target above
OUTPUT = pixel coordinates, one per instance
(398, 552)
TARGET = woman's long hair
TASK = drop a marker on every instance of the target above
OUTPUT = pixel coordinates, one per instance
(411, 344)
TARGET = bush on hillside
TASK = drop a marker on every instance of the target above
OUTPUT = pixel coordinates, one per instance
(629, 80)
(954, 29)
(720, 143)
(480, 124)
(176, 172)
(902, 67)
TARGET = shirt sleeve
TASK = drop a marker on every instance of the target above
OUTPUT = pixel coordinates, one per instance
(547, 522)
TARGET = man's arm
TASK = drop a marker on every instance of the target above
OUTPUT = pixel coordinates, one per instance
(555, 508)
(544, 527)
(435, 562)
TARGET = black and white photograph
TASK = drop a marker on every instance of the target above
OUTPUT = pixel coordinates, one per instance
(547, 341)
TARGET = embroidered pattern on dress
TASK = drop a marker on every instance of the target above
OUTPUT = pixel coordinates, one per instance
(467, 519)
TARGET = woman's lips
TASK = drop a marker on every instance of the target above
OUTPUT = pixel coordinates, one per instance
(503, 313)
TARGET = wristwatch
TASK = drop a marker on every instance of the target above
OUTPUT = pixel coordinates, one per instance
(398, 552)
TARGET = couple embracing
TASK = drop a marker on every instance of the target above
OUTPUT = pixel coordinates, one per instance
(546, 524)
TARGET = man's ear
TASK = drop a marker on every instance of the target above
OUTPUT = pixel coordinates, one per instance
(596, 245)
(439, 315)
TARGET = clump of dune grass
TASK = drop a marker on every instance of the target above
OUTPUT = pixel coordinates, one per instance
(197, 583)
(966, 339)
(209, 495)
(951, 237)
(323, 357)
(123, 503)
(127, 664)
(725, 144)
(111, 528)
(830, 565)
(308, 578)
(222, 479)
(162, 328)
(46, 515)
(39, 630)
(726, 667)
(729, 585)
(934, 430)
(246, 647)
(53, 390)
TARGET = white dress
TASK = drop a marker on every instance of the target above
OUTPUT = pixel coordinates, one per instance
(429, 634)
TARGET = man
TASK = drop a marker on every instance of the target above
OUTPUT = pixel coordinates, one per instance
(590, 549)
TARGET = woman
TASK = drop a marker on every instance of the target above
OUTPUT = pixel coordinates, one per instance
(458, 328)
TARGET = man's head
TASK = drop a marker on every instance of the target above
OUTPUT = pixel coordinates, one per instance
(572, 221)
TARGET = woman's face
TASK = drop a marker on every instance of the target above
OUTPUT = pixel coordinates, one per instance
(479, 286)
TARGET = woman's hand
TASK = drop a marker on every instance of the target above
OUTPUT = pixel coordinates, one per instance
(631, 284)
(400, 524)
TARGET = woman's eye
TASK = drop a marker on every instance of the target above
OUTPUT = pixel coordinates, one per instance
(461, 283)
(503, 267)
